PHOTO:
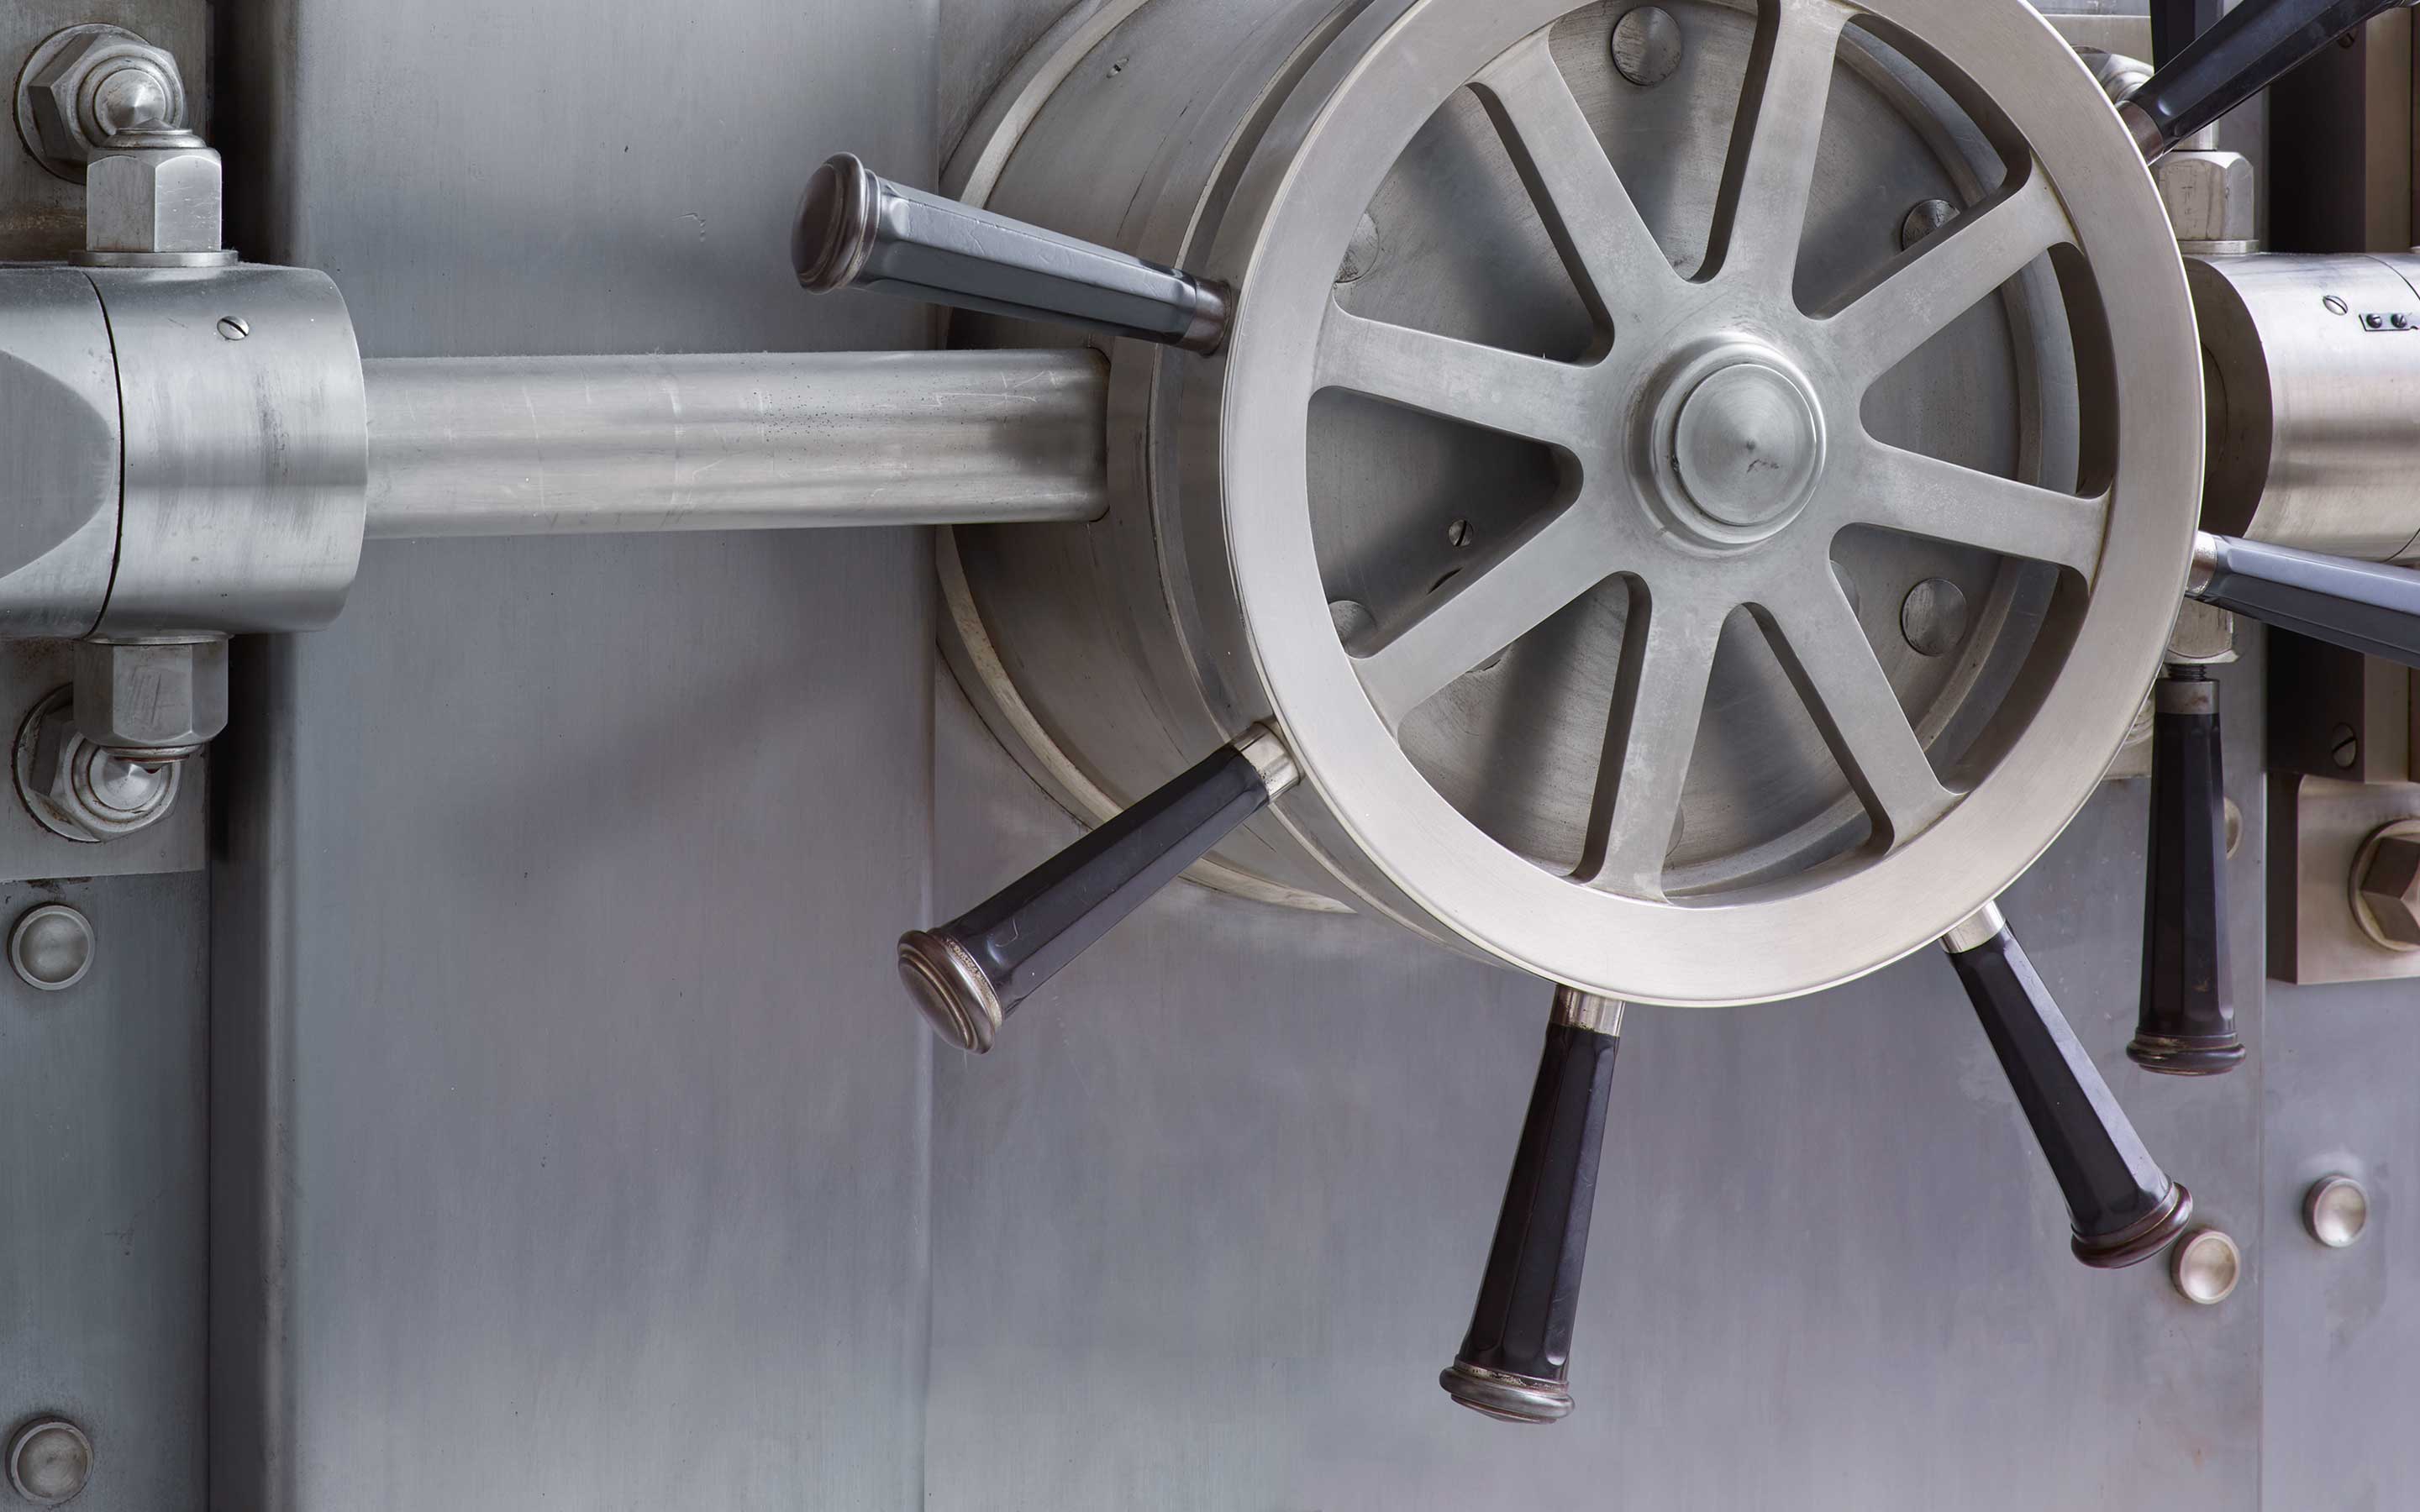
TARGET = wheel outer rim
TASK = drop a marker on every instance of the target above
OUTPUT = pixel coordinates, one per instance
(1752, 946)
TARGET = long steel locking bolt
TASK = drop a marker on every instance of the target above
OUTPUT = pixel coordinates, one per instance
(2121, 1205)
(2186, 1023)
(1515, 1362)
(969, 975)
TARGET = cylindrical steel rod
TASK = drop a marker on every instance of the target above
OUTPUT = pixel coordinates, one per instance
(549, 445)
(1515, 1361)
(2185, 1023)
(857, 230)
(2121, 1205)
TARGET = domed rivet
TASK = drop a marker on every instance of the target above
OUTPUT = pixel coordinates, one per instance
(2337, 1210)
(2206, 1266)
(52, 947)
(49, 1461)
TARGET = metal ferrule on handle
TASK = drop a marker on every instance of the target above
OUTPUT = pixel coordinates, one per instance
(2241, 54)
(2121, 1205)
(1515, 1362)
(2186, 1021)
(2361, 605)
(967, 976)
(859, 230)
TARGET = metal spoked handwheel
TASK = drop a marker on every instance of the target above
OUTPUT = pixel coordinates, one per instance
(1714, 454)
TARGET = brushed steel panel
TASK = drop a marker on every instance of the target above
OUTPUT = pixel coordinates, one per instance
(102, 1251)
(561, 1152)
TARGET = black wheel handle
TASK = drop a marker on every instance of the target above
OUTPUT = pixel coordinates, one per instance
(2120, 1204)
(1515, 1361)
(2361, 605)
(2186, 1022)
(969, 975)
(2242, 53)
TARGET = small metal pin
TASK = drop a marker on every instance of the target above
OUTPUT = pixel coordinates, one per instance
(234, 327)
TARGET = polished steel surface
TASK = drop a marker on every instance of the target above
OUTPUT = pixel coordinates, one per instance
(37, 673)
(1975, 931)
(1036, 604)
(546, 445)
(59, 415)
(102, 1268)
(2335, 1211)
(1932, 848)
(243, 460)
(2383, 886)
(2310, 410)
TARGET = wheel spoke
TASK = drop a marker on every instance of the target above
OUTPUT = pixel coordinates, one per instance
(1824, 650)
(1597, 226)
(1943, 502)
(1667, 657)
(1944, 276)
(1761, 216)
(1488, 609)
(1483, 386)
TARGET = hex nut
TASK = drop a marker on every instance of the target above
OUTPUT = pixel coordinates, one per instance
(163, 195)
(2390, 885)
(80, 790)
(163, 698)
(86, 83)
(2208, 196)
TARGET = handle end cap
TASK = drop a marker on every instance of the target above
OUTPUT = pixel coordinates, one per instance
(2186, 1056)
(1506, 1397)
(951, 990)
(2139, 1240)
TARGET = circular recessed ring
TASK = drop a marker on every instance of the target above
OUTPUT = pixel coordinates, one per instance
(1295, 209)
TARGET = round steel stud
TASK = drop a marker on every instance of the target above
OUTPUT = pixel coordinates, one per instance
(49, 1461)
(52, 946)
(2337, 1210)
(1646, 46)
(1927, 216)
(2206, 1266)
(1933, 617)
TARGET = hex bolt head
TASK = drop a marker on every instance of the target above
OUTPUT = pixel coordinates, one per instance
(88, 83)
(2335, 1211)
(52, 947)
(49, 1461)
(2386, 887)
(153, 192)
(156, 699)
(2206, 1266)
